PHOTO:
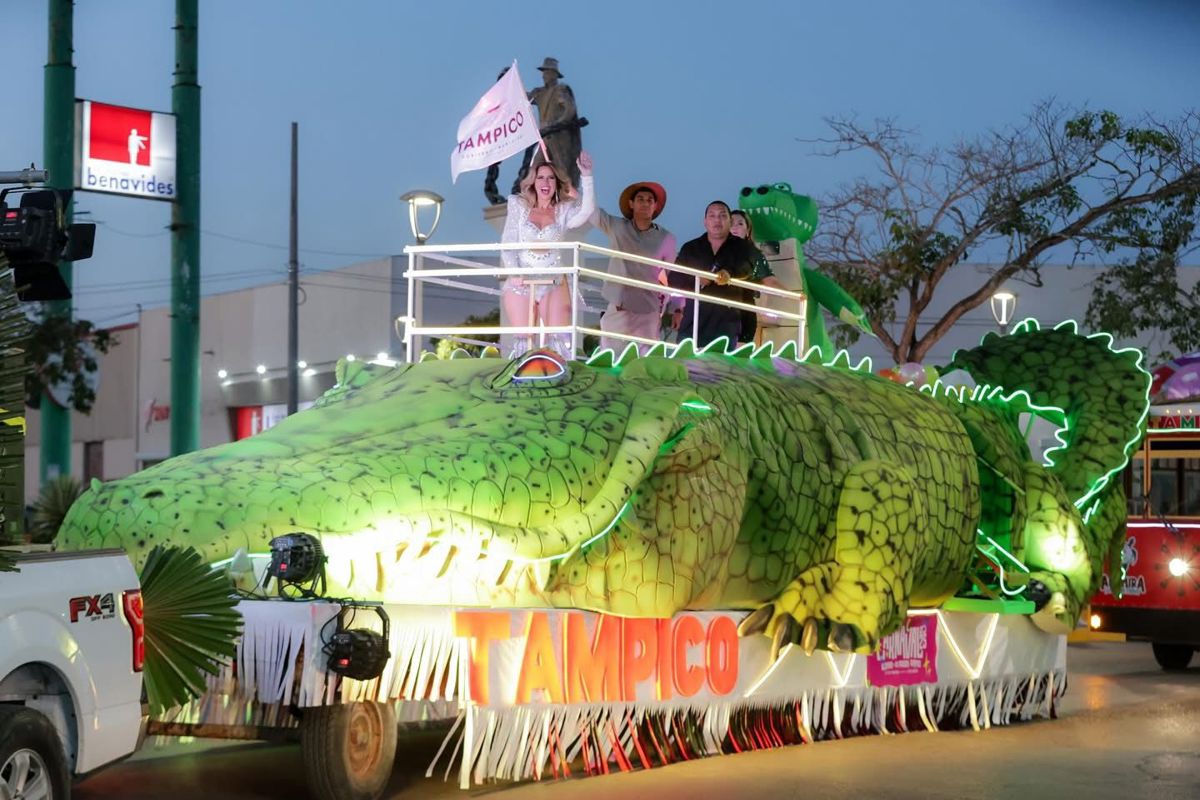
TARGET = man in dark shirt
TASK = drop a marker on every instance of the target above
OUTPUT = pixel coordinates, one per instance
(726, 256)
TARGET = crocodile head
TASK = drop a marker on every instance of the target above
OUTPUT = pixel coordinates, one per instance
(779, 213)
(465, 481)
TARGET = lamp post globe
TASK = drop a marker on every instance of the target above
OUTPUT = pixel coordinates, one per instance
(416, 200)
(1004, 308)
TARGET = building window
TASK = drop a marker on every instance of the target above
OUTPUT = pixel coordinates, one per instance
(93, 461)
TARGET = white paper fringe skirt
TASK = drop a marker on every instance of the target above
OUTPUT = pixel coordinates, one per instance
(555, 693)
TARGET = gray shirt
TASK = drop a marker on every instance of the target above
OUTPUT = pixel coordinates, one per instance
(623, 235)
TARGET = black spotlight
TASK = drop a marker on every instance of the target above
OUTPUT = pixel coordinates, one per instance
(358, 653)
(297, 559)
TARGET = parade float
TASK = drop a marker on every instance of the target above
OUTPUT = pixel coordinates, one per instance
(628, 561)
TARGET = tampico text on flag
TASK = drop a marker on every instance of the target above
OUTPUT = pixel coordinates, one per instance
(501, 123)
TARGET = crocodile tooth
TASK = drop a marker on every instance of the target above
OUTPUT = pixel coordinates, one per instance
(407, 557)
(492, 570)
(433, 559)
(808, 640)
(539, 574)
(503, 576)
(451, 551)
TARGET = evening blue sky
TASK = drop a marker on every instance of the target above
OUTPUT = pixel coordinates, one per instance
(704, 97)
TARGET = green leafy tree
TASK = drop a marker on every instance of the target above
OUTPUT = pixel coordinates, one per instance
(59, 352)
(1069, 183)
(1142, 296)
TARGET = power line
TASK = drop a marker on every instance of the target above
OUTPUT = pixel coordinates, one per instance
(242, 240)
(151, 283)
(273, 246)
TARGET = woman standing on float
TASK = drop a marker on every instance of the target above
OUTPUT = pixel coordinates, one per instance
(543, 211)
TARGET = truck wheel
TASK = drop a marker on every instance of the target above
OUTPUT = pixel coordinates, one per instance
(1173, 657)
(348, 749)
(32, 763)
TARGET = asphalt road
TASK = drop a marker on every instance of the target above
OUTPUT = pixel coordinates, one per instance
(1125, 731)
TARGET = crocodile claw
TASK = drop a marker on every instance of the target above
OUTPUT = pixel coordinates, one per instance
(808, 639)
(785, 634)
(758, 621)
(841, 638)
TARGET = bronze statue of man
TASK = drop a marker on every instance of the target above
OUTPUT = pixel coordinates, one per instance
(559, 122)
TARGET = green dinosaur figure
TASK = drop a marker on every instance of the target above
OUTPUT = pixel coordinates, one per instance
(779, 214)
(826, 497)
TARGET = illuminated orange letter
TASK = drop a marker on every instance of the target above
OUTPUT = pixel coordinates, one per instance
(638, 654)
(481, 627)
(539, 670)
(665, 661)
(688, 679)
(592, 674)
(722, 655)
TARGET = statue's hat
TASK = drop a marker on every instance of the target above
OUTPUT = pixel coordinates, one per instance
(656, 189)
(551, 64)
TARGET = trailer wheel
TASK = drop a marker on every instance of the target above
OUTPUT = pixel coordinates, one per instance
(1173, 657)
(348, 749)
(32, 762)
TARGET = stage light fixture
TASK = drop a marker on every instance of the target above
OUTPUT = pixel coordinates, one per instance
(298, 559)
(359, 653)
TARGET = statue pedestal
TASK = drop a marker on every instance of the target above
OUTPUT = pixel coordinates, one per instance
(495, 216)
(786, 267)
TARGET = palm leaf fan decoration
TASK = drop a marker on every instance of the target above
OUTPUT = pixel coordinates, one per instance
(192, 625)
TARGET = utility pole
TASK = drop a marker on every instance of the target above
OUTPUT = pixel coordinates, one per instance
(293, 373)
(58, 141)
(185, 235)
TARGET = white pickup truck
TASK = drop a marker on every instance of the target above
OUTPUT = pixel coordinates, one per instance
(71, 651)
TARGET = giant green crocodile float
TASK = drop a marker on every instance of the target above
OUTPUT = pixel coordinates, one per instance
(827, 498)
(780, 214)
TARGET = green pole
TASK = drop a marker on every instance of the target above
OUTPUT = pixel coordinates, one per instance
(185, 236)
(58, 141)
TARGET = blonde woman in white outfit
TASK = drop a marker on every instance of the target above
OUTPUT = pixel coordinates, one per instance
(544, 209)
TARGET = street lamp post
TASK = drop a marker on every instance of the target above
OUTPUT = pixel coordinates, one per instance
(417, 199)
(1004, 307)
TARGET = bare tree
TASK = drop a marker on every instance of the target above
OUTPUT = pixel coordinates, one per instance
(1062, 179)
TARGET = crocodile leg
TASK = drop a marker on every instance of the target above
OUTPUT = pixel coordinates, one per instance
(1056, 551)
(815, 334)
(862, 594)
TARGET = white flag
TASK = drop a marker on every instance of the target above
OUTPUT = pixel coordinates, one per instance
(500, 124)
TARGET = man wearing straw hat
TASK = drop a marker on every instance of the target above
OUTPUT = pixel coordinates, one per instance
(632, 310)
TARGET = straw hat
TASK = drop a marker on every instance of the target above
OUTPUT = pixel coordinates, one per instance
(626, 201)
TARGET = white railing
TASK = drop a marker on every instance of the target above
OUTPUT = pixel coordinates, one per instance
(412, 329)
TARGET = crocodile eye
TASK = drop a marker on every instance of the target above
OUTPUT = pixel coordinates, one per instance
(540, 365)
(787, 187)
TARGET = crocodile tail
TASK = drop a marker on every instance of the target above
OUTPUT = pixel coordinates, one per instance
(1098, 395)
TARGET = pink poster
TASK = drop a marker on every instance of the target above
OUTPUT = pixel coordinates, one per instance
(907, 656)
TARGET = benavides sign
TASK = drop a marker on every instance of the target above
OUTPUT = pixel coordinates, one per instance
(125, 151)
